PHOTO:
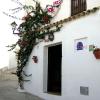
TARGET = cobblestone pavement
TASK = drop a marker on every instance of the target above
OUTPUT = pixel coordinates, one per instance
(8, 91)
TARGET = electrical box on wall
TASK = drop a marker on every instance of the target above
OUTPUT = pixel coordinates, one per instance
(84, 90)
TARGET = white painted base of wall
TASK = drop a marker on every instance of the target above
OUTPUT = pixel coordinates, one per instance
(20, 90)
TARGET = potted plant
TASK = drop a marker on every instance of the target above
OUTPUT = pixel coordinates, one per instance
(96, 53)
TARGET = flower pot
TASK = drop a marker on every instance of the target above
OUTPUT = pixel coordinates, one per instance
(96, 53)
(35, 59)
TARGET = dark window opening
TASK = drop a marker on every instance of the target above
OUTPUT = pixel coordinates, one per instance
(77, 6)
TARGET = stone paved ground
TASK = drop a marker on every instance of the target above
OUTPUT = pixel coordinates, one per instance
(8, 91)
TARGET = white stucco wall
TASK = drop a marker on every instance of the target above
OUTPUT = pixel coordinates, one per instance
(79, 68)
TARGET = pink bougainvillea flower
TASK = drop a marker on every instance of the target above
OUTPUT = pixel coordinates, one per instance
(57, 3)
(50, 8)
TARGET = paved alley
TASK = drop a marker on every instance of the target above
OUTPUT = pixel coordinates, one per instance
(8, 91)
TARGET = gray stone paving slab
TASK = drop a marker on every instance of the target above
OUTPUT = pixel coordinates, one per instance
(8, 91)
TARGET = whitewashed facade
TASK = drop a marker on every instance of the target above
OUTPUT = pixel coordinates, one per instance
(79, 68)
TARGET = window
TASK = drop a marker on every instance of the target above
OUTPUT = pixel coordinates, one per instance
(77, 6)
